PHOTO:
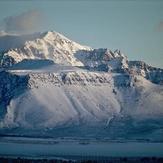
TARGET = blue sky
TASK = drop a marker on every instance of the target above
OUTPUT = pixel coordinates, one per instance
(134, 27)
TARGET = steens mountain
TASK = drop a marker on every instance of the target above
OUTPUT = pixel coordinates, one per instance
(51, 86)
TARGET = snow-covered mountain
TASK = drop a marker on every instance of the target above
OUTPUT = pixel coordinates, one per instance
(61, 50)
(52, 86)
(48, 45)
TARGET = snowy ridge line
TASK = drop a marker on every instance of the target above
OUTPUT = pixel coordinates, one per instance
(59, 49)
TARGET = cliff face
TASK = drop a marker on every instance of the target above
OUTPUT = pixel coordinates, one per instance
(11, 86)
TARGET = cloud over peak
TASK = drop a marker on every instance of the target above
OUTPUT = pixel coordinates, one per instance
(25, 22)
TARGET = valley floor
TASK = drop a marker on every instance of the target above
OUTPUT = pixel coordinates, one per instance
(49, 150)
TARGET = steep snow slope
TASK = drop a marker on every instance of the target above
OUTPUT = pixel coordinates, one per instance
(41, 108)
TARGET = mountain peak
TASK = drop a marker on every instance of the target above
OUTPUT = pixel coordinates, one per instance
(54, 37)
(48, 45)
(50, 35)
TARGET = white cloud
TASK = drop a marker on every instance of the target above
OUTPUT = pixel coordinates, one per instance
(25, 22)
